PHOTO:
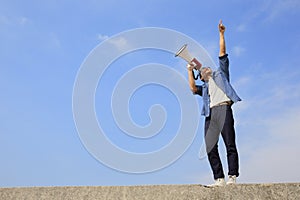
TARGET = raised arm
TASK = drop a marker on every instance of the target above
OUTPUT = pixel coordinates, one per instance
(223, 60)
(222, 39)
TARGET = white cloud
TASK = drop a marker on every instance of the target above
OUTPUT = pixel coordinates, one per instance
(238, 50)
(276, 160)
(268, 11)
(102, 37)
(120, 43)
(54, 40)
(280, 7)
(21, 21)
(242, 81)
(241, 28)
(4, 20)
(268, 126)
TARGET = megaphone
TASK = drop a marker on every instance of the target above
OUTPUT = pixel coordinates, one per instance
(184, 54)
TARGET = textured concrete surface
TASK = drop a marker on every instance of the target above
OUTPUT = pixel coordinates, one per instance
(156, 192)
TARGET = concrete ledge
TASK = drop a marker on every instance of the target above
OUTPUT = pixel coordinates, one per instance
(156, 192)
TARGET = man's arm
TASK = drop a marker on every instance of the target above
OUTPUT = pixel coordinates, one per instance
(222, 39)
(223, 59)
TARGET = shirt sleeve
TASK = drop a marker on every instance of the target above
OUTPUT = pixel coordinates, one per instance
(199, 90)
(224, 65)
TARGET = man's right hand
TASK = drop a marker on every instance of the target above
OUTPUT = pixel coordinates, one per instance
(221, 27)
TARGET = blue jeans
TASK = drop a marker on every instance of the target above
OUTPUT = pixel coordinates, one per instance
(221, 120)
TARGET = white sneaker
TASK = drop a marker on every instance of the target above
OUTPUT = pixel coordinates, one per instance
(231, 180)
(218, 183)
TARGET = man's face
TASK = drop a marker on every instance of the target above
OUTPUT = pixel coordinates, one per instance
(206, 73)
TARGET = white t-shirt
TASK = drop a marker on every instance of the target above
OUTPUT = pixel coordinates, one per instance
(217, 96)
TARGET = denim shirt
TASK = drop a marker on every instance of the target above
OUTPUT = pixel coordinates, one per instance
(221, 77)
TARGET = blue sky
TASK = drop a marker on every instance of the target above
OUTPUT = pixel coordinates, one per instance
(44, 43)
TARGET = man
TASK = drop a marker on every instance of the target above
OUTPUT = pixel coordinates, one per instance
(218, 97)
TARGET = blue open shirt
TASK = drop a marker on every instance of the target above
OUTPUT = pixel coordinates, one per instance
(221, 77)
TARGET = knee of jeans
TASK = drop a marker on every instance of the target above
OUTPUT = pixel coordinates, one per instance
(231, 148)
(211, 149)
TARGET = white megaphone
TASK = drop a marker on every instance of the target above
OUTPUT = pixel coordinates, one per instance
(184, 53)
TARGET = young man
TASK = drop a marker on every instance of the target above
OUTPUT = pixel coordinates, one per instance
(218, 96)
